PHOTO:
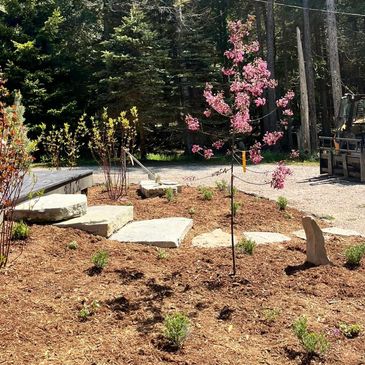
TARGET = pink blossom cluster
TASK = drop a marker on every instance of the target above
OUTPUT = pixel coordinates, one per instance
(207, 113)
(271, 138)
(208, 153)
(218, 144)
(288, 112)
(192, 123)
(279, 175)
(240, 122)
(255, 153)
(284, 101)
(260, 102)
(196, 148)
(216, 101)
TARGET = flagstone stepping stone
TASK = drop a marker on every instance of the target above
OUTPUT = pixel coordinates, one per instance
(51, 208)
(216, 238)
(150, 188)
(342, 232)
(101, 220)
(266, 237)
(300, 234)
(165, 232)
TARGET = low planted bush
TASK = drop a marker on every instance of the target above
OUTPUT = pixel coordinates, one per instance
(20, 231)
(191, 211)
(350, 330)
(73, 245)
(162, 254)
(206, 193)
(312, 342)
(270, 315)
(354, 254)
(100, 259)
(170, 194)
(282, 202)
(236, 208)
(88, 310)
(176, 329)
(246, 246)
(221, 185)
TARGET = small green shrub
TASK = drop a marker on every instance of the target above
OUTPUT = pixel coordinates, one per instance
(247, 246)
(350, 330)
(221, 185)
(282, 202)
(354, 255)
(234, 190)
(73, 245)
(20, 231)
(191, 211)
(162, 254)
(312, 342)
(236, 207)
(176, 329)
(88, 310)
(170, 194)
(271, 314)
(100, 259)
(206, 193)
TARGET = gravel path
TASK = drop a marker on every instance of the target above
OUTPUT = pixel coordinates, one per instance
(338, 199)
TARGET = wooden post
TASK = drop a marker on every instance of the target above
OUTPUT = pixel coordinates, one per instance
(330, 162)
(362, 163)
(344, 165)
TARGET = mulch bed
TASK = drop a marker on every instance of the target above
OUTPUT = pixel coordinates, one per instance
(47, 284)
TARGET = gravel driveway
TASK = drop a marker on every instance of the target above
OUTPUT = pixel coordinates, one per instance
(342, 201)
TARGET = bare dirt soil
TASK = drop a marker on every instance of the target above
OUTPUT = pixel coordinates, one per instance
(232, 321)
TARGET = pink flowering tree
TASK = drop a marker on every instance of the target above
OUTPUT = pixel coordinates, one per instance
(248, 79)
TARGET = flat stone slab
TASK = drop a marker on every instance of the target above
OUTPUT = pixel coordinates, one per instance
(300, 234)
(216, 238)
(150, 188)
(341, 232)
(266, 237)
(165, 232)
(51, 208)
(101, 220)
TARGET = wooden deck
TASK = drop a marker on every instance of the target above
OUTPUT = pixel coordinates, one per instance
(52, 182)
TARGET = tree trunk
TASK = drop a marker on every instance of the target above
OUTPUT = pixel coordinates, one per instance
(304, 108)
(310, 77)
(332, 50)
(270, 121)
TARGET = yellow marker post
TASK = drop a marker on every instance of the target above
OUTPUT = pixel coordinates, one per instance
(244, 161)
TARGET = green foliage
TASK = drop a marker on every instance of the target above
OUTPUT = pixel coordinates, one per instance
(176, 329)
(246, 246)
(282, 202)
(236, 207)
(221, 185)
(206, 193)
(312, 342)
(170, 194)
(354, 254)
(88, 310)
(162, 254)
(73, 245)
(350, 330)
(20, 231)
(100, 259)
(271, 314)
(191, 211)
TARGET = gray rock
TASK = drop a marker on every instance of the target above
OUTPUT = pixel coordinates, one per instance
(266, 237)
(101, 220)
(51, 208)
(150, 188)
(300, 234)
(166, 232)
(342, 232)
(216, 238)
(316, 250)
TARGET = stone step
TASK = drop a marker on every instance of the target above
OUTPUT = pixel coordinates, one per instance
(216, 238)
(165, 232)
(266, 237)
(51, 208)
(101, 220)
(150, 188)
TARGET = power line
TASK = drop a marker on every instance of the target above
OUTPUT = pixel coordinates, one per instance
(312, 9)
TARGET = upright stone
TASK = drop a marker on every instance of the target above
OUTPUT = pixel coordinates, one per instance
(316, 250)
(51, 208)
